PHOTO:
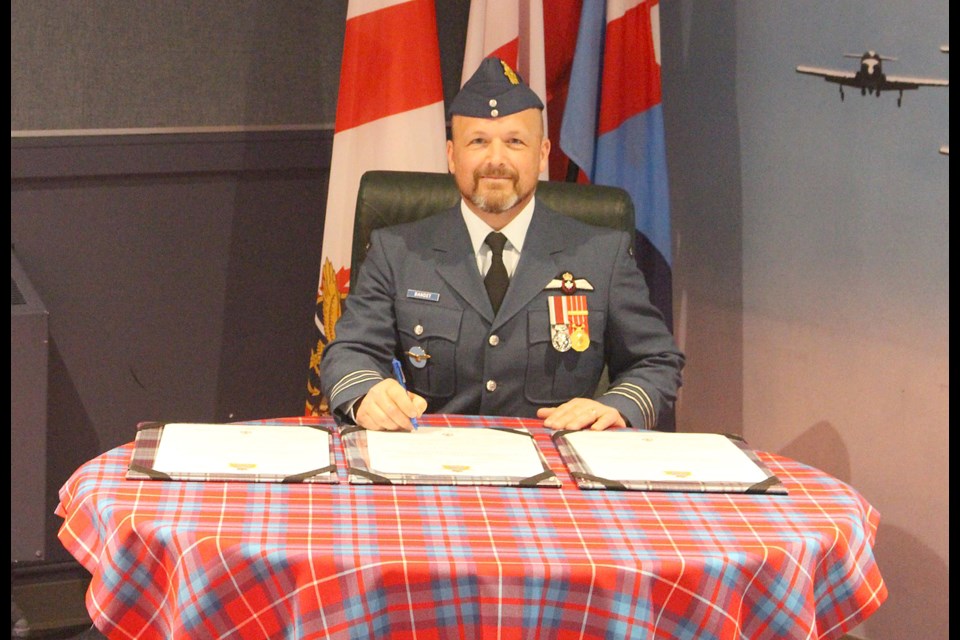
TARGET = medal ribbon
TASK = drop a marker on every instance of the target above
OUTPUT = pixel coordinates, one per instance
(576, 312)
(558, 310)
(571, 311)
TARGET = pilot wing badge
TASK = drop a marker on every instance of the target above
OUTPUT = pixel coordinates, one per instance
(568, 284)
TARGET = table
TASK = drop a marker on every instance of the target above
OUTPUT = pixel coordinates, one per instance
(245, 560)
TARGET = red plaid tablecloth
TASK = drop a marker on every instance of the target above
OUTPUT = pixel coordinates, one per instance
(242, 560)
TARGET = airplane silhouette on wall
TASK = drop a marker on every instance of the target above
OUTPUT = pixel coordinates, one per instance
(870, 78)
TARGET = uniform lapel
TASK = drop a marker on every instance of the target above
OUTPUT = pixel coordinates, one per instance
(457, 264)
(537, 265)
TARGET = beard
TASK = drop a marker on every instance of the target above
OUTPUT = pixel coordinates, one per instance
(495, 200)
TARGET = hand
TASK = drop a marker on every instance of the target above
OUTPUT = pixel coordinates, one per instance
(389, 407)
(581, 413)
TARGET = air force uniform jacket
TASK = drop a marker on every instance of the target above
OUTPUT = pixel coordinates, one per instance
(420, 298)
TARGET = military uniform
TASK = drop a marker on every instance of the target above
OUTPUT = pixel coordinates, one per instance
(575, 303)
(420, 297)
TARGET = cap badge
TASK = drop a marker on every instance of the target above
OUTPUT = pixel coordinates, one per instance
(511, 75)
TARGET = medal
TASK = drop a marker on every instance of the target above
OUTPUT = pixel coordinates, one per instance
(560, 337)
(580, 339)
(568, 322)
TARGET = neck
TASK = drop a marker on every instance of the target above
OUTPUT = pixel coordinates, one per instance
(499, 220)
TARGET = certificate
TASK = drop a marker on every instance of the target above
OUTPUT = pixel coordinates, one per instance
(448, 450)
(446, 455)
(248, 452)
(656, 460)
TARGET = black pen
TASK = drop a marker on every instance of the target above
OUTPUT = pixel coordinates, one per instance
(398, 374)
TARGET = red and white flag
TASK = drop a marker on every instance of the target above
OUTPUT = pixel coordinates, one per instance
(511, 30)
(390, 116)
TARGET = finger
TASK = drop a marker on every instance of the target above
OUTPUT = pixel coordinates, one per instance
(379, 409)
(378, 417)
(419, 404)
(404, 405)
(609, 417)
(605, 420)
(372, 417)
(395, 418)
(586, 417)
(573, 416)
(550, 416)
(557, 417)
(395, 404)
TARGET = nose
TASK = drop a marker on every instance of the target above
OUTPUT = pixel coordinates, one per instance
(495, 152)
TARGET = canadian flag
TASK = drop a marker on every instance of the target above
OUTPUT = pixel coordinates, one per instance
(390, 115)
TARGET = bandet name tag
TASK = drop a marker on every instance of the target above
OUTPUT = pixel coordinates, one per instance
(423, 295)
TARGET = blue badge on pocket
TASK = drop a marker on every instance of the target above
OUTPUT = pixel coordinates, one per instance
(418, 357)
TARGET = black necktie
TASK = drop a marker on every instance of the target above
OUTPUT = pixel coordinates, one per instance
(496, 280)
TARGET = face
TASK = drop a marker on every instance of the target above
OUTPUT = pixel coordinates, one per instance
(497, 162)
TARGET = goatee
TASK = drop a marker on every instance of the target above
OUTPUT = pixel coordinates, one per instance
(495, 200)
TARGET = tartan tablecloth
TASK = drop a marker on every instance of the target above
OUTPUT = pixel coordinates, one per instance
(243, 560)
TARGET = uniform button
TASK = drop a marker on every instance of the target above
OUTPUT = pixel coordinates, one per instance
(494, 113)
(491, 385)
(418, 330)
(492, 102)
(494, 340)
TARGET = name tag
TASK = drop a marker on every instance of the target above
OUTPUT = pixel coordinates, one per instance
(423, 295)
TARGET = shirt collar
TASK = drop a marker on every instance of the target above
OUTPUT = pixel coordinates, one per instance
(516, 230)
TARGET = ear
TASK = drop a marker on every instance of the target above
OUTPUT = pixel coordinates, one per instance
(451, 165)
(544, 154)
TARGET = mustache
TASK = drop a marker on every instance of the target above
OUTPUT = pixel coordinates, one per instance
(493, 172)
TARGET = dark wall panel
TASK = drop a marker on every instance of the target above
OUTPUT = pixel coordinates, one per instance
(179, 274)
(80, 64)
(179, 268)
(113, 64)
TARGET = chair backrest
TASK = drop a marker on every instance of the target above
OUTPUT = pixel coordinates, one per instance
(386, 198)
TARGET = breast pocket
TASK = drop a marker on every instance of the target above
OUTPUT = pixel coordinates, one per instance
(552, 376)
(429, 329)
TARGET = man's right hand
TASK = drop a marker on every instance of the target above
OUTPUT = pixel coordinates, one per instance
(389, 407)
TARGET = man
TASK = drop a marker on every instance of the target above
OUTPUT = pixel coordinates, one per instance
(575, 299)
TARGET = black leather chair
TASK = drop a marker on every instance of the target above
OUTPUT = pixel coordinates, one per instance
(390, 197)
